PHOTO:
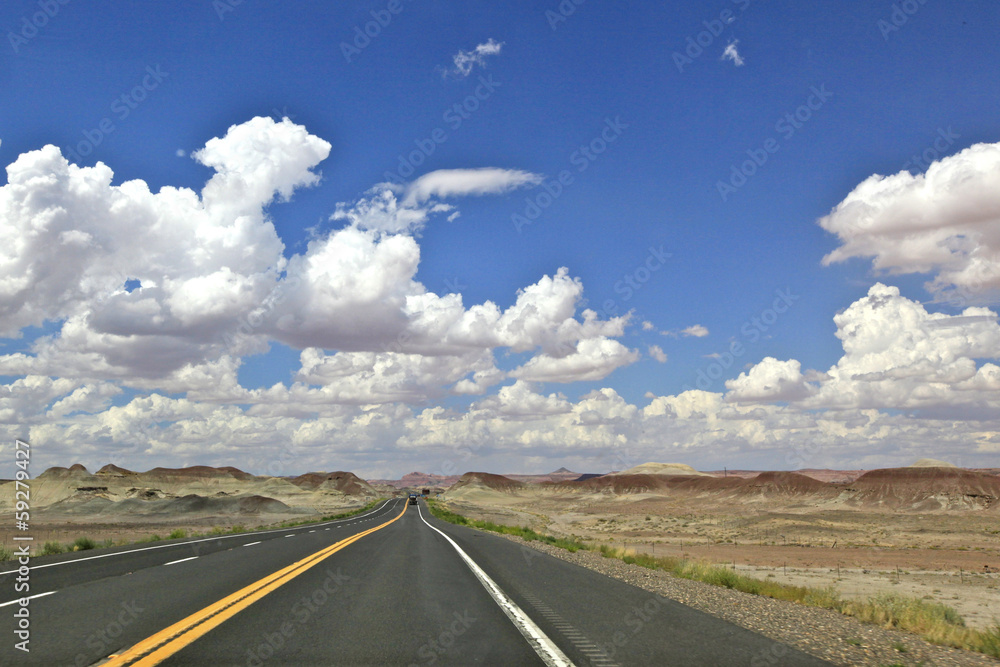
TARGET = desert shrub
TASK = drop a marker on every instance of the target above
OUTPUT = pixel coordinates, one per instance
(177, 534)
(51, 548)
(83, 544)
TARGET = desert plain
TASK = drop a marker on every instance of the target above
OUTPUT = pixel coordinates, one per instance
(930, 530)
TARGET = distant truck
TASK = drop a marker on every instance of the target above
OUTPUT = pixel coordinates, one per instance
(413, 499)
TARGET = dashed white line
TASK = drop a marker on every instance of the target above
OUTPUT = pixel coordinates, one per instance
(166, 546)
(30, 597)
(250, 544)
(289, 536)
(174, 562)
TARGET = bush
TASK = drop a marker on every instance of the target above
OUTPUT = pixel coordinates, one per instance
(83, 544)
(177, 534)
(6, 554)
(52, 548)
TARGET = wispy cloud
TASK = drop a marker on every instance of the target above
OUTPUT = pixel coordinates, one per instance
(466, 61)
(695, 330)
(657, 353)
(732, 54)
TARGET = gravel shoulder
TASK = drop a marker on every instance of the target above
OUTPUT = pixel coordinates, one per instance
(826, 634)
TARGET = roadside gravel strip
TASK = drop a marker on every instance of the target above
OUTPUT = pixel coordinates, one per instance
(820, 632)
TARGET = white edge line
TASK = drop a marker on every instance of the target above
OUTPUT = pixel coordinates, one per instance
(173, 562)
(180, 544)
(30, 597)
(546, 649)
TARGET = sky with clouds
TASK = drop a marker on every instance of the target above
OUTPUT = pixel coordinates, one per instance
(392, 236)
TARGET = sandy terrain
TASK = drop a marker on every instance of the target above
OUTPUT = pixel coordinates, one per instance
(124, 506)
(867, 529)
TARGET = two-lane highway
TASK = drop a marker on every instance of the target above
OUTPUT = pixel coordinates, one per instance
(393, 587)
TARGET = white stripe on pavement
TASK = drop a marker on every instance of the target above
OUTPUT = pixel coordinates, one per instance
(177, 544)
(546, 649)
(30, 597)
(174, 562)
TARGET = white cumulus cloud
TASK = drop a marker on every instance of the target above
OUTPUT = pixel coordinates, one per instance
(945, 221)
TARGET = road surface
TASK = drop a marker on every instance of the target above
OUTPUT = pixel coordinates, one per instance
(390, 587)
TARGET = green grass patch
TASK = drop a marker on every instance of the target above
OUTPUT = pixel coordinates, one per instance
(6, 554)
(177, 534)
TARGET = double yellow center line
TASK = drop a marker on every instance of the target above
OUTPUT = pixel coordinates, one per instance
(157, 648)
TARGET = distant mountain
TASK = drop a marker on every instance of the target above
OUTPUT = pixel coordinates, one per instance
(561, 475)
(822, 474)
(661, 469)
(414, 480)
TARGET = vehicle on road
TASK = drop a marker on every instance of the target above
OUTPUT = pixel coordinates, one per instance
(413, 499)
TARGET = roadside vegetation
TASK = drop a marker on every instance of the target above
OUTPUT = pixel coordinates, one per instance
(935, 622)
(85, 543)
(522, 532)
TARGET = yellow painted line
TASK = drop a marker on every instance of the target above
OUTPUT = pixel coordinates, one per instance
(155, 649)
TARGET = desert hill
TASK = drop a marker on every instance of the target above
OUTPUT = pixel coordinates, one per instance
(114, 491)
(921, 488)
(660, 469)
(560, 475)
(416, 480)
(343, 482)
(925, 488)
(481, 485)
(932, 463)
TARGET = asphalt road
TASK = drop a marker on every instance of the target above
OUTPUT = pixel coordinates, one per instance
(402, 594)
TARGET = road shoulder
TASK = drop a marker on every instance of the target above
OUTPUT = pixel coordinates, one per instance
(820, 632)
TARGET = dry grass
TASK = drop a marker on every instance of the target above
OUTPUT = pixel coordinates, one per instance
(935, 622)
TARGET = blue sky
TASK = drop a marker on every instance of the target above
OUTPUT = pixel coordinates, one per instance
(636, 104)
